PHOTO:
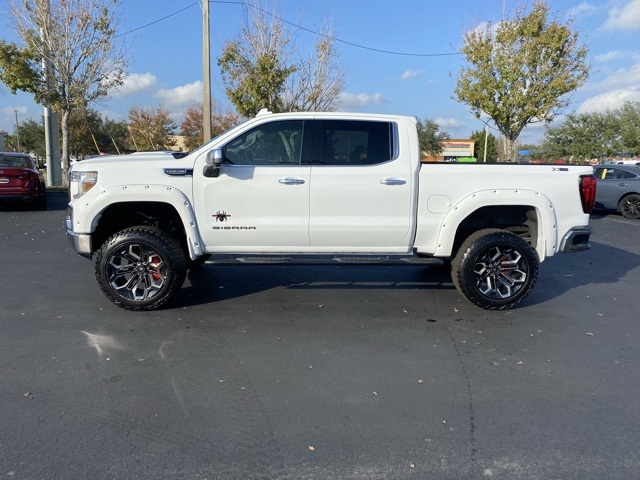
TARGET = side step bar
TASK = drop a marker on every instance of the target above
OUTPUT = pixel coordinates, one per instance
(396, 260)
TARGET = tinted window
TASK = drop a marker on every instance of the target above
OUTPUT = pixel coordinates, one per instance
(11, 161)
(274, 143)
(613, 174)
(348, 142)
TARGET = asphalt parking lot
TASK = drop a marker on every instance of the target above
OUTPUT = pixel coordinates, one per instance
(271, 372)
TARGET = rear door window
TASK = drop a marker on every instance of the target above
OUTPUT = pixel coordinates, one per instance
(353, 142)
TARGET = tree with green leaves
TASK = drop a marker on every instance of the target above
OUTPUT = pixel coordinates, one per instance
(522, 71)
(492, 152)
(260, 68)
(430, 137)
(629, 118)
(151, 129)
(90, 134)
(591, 135)
(31, 134)
(84, 53)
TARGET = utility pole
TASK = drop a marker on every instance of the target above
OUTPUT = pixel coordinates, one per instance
(17, 132)
(51, 128)
(206, 65)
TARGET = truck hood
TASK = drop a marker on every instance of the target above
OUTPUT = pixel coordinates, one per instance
(168, 158)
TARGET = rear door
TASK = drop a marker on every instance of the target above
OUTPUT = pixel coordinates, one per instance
(361, 188)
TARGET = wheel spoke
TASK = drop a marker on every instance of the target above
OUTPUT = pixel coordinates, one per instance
(131, 284)
(500, 272)
(631, 207)
(136, 272)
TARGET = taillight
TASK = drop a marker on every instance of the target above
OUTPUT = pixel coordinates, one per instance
(587, 192)
(28, 176)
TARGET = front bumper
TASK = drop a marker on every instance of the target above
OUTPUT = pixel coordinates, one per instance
(81, 242)
(576, 240)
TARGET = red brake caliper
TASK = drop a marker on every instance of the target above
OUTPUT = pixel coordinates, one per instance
(154, 262)
(503, 259)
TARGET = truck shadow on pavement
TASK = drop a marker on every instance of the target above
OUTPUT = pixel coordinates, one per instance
(212, 283)
(603, 264)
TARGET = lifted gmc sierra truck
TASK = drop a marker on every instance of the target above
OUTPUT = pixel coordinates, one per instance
(335, 186)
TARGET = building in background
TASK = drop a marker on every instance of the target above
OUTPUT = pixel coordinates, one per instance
(454, 150)
(179, 145)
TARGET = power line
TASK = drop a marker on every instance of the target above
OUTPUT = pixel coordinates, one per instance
(352, 44)
(158, 21)
(364, 47)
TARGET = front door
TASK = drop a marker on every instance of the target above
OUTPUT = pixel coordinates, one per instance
(260, 200)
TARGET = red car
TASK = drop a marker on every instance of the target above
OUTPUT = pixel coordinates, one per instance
(20, 181)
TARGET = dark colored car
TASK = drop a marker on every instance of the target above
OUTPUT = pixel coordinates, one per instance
(20, 181)
(618, 188)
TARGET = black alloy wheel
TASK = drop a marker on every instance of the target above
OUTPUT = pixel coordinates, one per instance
(140, 268)
(495, 269)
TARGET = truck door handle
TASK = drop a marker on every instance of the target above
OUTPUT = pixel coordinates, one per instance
(622, 184)
(291, 181)
(393, 181)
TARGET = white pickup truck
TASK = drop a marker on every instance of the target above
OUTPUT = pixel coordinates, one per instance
(302, 187)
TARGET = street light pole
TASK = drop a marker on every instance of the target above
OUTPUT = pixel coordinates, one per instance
(486, 135)
(17, 132)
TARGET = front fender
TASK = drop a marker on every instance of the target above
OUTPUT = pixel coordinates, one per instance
(87, 210)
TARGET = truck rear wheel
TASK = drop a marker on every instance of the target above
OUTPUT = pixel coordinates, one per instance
(140, 268)
(495, 269)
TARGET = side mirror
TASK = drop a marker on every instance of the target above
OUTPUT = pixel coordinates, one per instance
(214, 157)
(214, 161)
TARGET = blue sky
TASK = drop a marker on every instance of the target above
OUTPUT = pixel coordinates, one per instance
(167, 56)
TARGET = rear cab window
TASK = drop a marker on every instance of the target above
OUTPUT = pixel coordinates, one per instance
(353, 142)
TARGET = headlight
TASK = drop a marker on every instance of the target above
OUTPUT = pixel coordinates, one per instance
(81, 182)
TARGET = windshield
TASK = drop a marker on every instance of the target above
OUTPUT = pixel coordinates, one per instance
(205, 146)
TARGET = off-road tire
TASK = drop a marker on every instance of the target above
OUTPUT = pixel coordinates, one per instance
(140, 268)
(495, 269)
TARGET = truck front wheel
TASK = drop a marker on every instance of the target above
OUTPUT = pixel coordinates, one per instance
(140, 268)
(495, 269)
